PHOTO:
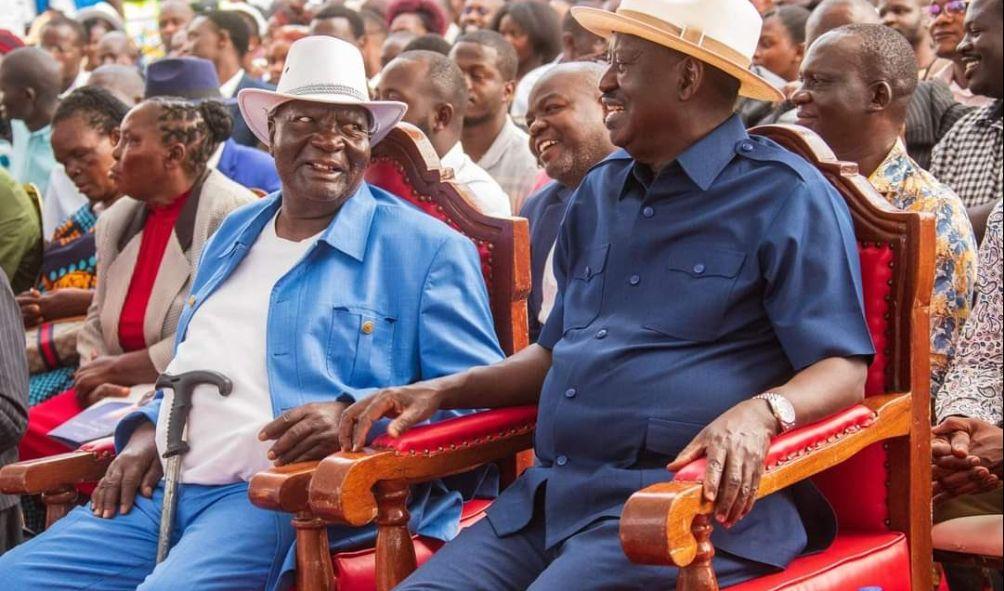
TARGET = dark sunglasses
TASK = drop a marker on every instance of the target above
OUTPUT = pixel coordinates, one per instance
(953, 7)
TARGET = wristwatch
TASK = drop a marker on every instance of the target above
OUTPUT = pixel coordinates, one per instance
(782, 410)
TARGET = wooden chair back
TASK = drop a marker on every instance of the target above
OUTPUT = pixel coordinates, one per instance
(885, 486)
(405, 164)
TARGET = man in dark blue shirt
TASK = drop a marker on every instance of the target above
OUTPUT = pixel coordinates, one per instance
(567, 136)
(709, 298)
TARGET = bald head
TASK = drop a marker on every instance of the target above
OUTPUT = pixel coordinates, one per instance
(565, 118)
(30, 82)
(435, 90)
(125, 82)
(115, 47)
(831, 14)
(581, 75)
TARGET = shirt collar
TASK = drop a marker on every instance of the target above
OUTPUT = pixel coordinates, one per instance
(500, 145)
(991, 114)
(897, 157)
(229, 88)
(349, 232)
(704, 160)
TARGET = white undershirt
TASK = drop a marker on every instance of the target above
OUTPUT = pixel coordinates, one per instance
(227, 334)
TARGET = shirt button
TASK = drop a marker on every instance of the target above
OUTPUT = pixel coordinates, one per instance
(601, 333)
(746, 146)
(634, 280)
(561, 460)
(699, 268)
(570, 393)
(191, 301)
(648, 212)
(367, 327)
(588, 270)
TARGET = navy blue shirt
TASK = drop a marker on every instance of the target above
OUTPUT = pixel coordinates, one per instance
(544, 210)
(680, 295)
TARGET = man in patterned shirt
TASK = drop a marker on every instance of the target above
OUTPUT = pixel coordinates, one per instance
(857, 83)
(969, 158)
(967, 446)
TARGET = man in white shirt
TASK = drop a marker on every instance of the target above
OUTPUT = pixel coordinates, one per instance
(222, 37)
(437, 97)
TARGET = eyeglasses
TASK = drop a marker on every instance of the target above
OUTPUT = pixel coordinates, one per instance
(953, 7)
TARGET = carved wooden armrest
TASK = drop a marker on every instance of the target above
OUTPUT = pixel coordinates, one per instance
(343, 488)
(661, 524)
(55, 477)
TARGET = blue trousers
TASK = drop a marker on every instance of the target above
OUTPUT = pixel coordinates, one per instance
(221, 542)
(480, 560)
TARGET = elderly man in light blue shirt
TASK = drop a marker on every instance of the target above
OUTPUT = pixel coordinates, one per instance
(307, 300)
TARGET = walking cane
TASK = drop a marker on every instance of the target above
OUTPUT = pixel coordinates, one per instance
(183, 386)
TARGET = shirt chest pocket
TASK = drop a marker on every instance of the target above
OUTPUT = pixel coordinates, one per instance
(360, 346)
(699, 282)
(584, 288)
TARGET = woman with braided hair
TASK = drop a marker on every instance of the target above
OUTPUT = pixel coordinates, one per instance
(148, 244)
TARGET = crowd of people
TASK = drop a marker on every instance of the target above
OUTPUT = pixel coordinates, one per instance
(194, 199)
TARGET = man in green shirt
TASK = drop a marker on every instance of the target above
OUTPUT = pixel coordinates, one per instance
(20, 234)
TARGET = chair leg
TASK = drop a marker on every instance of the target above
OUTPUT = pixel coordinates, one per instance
(58, 503)
(313, 559)
(395, 550)
(698, 575)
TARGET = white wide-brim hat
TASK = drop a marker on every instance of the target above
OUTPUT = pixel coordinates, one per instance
(720, 33)
(320, 69)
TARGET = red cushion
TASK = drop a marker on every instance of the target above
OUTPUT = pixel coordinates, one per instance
(876, 278)
(356, 571)
(799, 441)
(461, 430)
(854, 560)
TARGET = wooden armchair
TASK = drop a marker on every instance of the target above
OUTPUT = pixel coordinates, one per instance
(405, 164)
(872, 461)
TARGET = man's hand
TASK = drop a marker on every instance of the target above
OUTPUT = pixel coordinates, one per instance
(137, 468)
(735, 444)
(31, 307)
(308, 432)
(960, 443)
(410, 404)
(966, 457)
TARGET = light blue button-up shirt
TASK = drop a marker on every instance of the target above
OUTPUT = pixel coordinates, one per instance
(31, 157)
(386, 296)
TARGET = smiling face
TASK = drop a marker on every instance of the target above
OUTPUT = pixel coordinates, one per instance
(489, 91)
(946, 26)
(565, 119)
(777, 51)
(833, 97)
(639, 94)
(321, 152)
(980, 49)
(86, 154)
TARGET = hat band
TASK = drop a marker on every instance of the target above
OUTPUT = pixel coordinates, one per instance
(327, 89)
(690, 35)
